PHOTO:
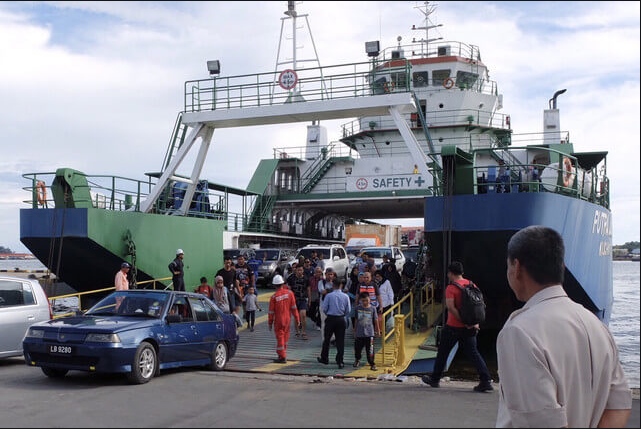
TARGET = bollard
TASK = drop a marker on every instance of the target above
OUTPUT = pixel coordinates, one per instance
(399, 328)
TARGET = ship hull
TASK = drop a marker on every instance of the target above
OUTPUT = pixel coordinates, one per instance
(481, 226)
(85, 247)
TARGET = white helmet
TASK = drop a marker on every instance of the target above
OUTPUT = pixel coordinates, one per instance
(179, 252)
(278, 280)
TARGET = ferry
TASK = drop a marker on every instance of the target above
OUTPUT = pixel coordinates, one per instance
(425, 137)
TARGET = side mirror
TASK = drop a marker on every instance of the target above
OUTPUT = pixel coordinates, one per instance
(174, 318)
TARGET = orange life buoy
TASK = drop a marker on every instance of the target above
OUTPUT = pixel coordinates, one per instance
(389, 87)
(448, 83)
(567, 169)
(41, 192)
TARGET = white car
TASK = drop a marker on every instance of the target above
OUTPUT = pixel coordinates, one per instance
(334, 256)
(22, 303)
(393, 252)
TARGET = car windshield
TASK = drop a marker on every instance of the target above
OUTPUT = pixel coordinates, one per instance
(410, 254)
(231, 253)
(133, 304)
(378, 253)
(267, 255)
(307, 253)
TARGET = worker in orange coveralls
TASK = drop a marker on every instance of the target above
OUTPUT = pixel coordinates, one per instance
(282, 305)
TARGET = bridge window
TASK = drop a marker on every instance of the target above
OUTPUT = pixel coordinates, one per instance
(466, 79)
(438, 76)
(420, 79)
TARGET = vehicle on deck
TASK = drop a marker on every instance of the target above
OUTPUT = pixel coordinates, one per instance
(411, 252)
(137, 332)
(275, 261)
(334, 256)
(392, 252)
(22, 303)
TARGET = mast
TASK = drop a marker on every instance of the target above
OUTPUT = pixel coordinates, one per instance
(295, 62)
(427, 9)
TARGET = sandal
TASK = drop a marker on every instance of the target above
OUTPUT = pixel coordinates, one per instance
(305, 337)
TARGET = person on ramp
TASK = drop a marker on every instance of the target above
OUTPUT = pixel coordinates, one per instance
(282, 306)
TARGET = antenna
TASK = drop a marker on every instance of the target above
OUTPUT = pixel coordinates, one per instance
(427, 9)
(295, 62)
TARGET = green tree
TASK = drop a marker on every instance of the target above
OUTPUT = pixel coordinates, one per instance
(630, 245)
(5, 250)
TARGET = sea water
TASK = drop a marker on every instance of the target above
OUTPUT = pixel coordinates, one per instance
(624, 323)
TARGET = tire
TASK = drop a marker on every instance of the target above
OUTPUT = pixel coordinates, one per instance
(145, 364)
(219, 357)
(54, 372)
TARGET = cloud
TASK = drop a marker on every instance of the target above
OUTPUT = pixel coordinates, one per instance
(103, 98)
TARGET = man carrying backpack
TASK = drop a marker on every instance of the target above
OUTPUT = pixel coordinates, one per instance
(466, 309)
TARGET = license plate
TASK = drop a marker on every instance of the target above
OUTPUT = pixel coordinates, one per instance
(60, 350)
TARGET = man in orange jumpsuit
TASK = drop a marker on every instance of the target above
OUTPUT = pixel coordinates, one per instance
(282, 305)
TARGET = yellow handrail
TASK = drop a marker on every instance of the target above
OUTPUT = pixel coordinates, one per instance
(79, 294)
(384, 335)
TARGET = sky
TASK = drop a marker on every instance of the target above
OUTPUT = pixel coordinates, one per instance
(97, 86)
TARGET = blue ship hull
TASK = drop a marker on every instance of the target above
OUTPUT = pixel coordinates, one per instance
(481, 226)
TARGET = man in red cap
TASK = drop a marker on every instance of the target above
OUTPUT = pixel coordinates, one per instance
(282, 305)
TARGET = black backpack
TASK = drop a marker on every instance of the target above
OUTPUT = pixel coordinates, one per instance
(472, 309)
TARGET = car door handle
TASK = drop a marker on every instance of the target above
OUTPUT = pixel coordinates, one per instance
(31, 318)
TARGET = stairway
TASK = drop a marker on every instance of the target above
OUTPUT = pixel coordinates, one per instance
(176, 141)
(261, 214)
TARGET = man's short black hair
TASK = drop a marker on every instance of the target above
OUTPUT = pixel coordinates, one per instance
(456, 268)
(540, 250)
(363, 295)
(203, 279)
(379, 273)
(227, 258)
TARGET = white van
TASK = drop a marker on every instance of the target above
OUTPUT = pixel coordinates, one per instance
(334, 256)
(23, 302)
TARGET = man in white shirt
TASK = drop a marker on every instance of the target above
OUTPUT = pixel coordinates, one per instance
(558, 363)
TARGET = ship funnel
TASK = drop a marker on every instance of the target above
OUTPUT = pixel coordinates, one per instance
(552, 121)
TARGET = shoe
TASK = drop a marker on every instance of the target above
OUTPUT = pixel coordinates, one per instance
(484, 387)
(341, 365)
(373, 368)
(324, 362)
(251, 329)
(427, 379)
(357, 363)
(280, 360)
(318, 328)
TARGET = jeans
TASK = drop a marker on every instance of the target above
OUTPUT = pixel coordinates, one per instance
(334, 325)
(466, 339)
(250, 316)
(368, 343)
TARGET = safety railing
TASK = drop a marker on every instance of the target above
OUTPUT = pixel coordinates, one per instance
(310, 84)
(396, 309)
(436, 118)
(52, 299)
(333, 149)
(442, 49)
(536, 173)
(424, 87)
(106, 192)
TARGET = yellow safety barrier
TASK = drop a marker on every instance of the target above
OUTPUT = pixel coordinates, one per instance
(79, 294)
(385, 335)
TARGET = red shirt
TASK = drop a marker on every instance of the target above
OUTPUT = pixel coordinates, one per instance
(452, 292)
(205, 290)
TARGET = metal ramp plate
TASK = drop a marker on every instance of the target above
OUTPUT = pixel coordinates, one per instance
(257, 350)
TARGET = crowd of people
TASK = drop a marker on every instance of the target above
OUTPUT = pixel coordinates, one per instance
(558, 363)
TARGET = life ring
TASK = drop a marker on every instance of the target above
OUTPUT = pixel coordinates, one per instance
(567, 176)
(448, 83)
(389, 87)
(41, 192)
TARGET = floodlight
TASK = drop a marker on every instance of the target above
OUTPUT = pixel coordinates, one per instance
(213, 67)
(372, 48)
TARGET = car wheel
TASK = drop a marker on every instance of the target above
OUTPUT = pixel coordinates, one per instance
(219, 357)
(145, 364)
(54, 372)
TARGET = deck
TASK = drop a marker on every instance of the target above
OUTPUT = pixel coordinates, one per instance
(257, 350)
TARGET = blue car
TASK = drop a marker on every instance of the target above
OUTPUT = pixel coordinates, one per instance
(137, 332)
